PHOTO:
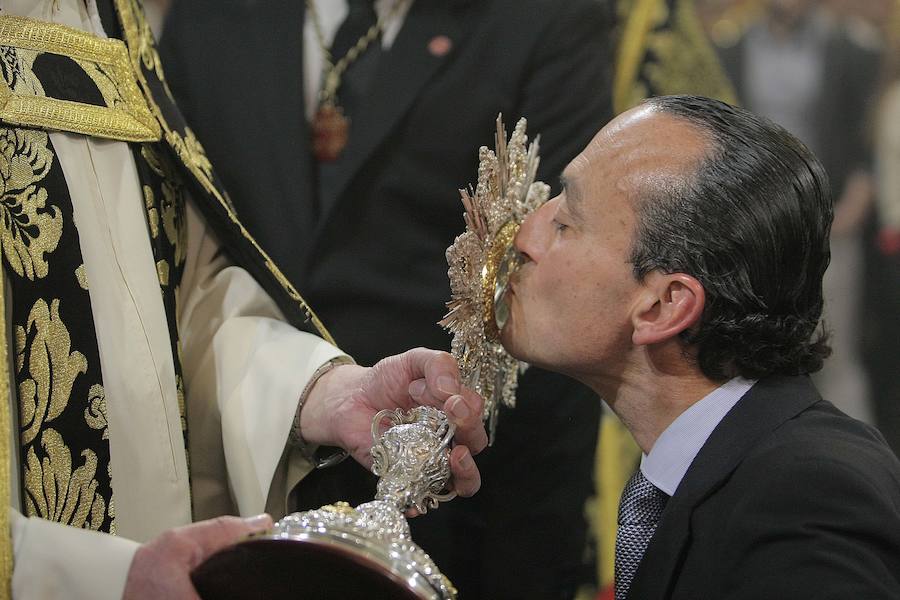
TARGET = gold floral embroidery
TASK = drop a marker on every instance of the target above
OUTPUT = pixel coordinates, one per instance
(170, 211)
(56, 493)
(179, 387)
(194, 157)
(53, 368)
(111, 511)
(152, 212)
(683, 60)
(162, 272)
(31, 229)
(14, 74)
(146, 48)
(197, 153)
(686, 62)
(81, 276)
(153, 159)
(19, 339)
(95, 414)
(173, 218)
(639, 18)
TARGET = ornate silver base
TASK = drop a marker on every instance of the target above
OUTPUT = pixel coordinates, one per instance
(338, 551)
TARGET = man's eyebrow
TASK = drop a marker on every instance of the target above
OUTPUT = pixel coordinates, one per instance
(572, 195)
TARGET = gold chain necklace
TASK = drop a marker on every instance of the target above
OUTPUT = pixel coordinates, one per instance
(330, 126)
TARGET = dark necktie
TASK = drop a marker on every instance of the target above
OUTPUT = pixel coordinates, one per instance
(354, 88)
(641, 505)
(355, 82)
(360, 17)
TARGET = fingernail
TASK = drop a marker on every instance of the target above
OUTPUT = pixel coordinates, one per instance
(262, 521)
(458, 408)
(417, 388)
(465, 460)
(447, 384)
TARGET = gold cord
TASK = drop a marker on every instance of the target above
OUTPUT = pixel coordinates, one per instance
(333, 72)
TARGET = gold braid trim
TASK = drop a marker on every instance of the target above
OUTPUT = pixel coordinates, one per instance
(126, 116)
(139, 41)
(6, 551)
(631, 51)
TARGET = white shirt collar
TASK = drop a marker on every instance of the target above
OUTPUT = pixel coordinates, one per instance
(676, 447)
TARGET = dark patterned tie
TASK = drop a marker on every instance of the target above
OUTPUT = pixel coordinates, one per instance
(641, 505)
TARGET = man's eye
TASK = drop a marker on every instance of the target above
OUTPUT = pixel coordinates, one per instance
(559, 226)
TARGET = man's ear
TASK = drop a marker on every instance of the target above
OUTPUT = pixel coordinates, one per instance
(669, 304)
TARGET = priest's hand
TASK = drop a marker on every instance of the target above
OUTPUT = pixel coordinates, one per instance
(162, 567)
(341, 405)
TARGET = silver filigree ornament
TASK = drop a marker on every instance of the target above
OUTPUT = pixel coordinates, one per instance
(412, 459)
(483, 259)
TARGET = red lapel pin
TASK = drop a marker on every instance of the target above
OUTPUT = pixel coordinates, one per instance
(440, 45)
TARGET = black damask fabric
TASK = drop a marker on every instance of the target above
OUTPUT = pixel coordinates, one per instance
(63, 427)
(164, 201)
(63, 424)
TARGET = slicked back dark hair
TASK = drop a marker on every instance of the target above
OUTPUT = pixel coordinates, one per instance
(751, 224)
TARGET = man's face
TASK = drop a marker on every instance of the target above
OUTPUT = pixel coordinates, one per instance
(572, 302)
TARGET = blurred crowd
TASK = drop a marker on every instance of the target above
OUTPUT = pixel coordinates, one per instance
(829, 70)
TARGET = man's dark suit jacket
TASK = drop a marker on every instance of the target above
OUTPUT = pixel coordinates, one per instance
(371, 262)
(788, 499)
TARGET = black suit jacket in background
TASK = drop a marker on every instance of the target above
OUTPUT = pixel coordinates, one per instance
(788, 499)
(371, 260)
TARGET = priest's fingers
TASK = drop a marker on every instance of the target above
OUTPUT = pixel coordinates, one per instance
(161, 567)
(215, 534)
(433, 376)
(466, 478)
(465, 411)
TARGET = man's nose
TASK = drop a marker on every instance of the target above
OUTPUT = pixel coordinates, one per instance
(534, 233)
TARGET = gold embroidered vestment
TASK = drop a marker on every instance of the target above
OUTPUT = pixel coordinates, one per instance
(63, 424)
(56, 78)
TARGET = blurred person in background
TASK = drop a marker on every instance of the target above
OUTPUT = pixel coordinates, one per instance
(883, 306)
(374, 200)
(887, 149)
(809, 74)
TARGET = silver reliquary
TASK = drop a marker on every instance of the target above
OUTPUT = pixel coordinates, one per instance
(341, 552)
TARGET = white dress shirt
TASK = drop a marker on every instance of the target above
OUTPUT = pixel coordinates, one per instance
(679, 443)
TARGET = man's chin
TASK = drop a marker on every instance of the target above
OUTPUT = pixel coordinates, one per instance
(511, 342)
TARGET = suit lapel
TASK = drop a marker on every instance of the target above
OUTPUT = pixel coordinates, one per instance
(281, 32)
(770, 402)
(402, 73)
